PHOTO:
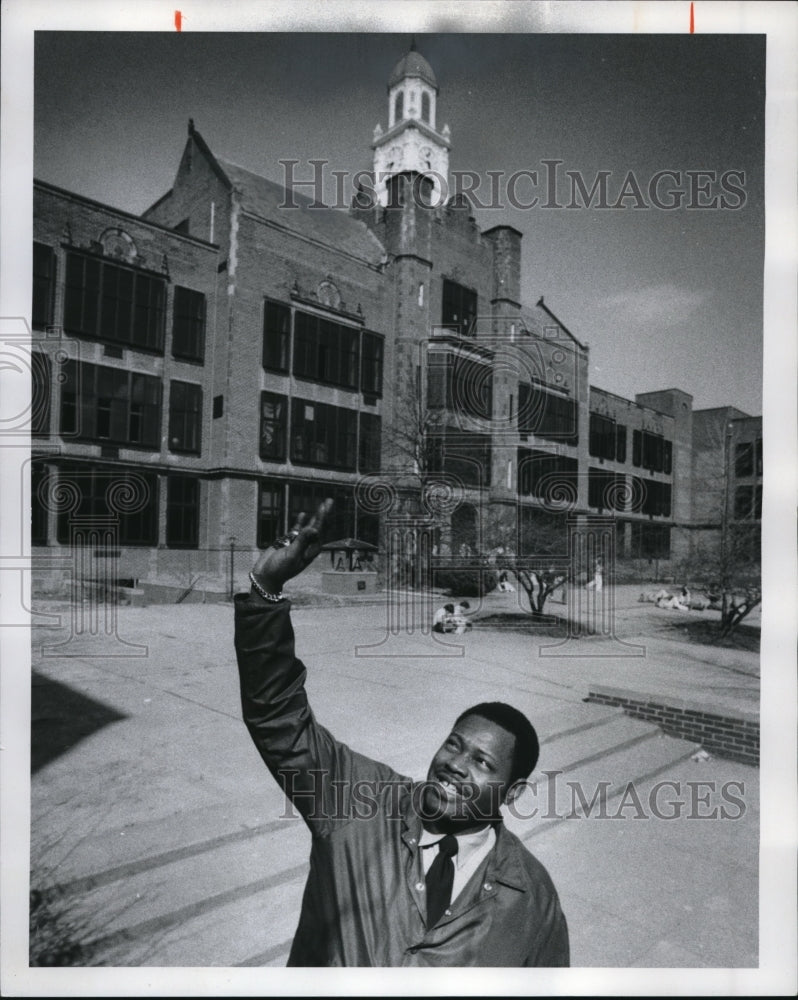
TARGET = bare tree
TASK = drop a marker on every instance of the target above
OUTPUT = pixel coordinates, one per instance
(725, 561)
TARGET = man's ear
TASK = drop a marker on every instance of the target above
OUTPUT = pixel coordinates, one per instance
(514, 791)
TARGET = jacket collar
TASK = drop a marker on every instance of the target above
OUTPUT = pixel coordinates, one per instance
(504, 861)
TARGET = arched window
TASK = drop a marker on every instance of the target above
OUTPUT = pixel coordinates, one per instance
(425, 107)
(399, 106)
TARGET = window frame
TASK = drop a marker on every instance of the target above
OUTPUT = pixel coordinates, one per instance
(89, 302)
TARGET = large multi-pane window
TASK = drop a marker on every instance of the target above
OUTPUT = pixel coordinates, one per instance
(547, 476)
(547, 414)
(459, 309)
(182, 511)
(652, 451)
(127, 497)
(607, 438)
(273, 426)
(606, 490)
(271, 507)
(370, 443)
(459, 384)
(185, 417)
(43, 286)
(652, 497)
(99, 403)
(325, 351)
(188, 325)
(371, 364)
(276, 336)
(463, 455)
(306, 497)
(323, 435)
(114, 303)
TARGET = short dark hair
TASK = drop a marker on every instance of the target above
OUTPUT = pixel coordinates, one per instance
(527, 747)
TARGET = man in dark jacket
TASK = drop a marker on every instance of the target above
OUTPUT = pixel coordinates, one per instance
(402, 873)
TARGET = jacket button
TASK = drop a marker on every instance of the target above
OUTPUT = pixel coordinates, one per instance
(420, 886)
(412, 840)
(487, 887)
(412, 951)
(448, 913)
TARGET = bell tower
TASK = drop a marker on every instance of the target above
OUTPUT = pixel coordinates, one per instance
(411, 142)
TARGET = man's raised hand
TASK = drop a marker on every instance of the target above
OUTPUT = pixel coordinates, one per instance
(288, 556)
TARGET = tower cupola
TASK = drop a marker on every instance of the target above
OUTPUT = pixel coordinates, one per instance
(411, 143)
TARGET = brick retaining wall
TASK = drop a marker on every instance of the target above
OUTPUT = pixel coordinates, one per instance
(736, 738)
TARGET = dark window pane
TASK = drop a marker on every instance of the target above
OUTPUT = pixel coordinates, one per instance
(276, 336)
(43, 285)
(41, 369)
(371, 378)
(182, 511)
(744, 459)
(116, 310)
(602, 436)
(270, 512)
(38, 524)
(459, 308)
(637, 448)
(185, 417)
(188, 325)
(370, 443)
(273, 426)
(620, 443)
(82, 295)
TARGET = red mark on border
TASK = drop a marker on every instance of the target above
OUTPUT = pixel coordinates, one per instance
(179, 19)
(692, 20)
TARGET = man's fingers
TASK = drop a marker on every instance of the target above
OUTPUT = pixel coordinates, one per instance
(318, 519)
(300, 521)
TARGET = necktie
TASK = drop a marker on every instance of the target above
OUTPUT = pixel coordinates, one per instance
(440, 878)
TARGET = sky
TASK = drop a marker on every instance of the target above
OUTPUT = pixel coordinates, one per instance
(664, 297)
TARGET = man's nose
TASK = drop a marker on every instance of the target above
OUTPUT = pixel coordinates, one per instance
(458, 763)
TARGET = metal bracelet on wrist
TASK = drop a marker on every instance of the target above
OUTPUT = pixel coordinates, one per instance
(274, 598)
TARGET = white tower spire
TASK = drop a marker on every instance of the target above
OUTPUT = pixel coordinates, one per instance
(411, 141)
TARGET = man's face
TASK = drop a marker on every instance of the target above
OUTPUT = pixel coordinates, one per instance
(469, 776)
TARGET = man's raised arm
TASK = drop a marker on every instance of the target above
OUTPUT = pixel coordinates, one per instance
(301, 754)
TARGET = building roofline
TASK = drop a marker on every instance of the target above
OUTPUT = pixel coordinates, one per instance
(205, 149)
(631, 402)
(541, 304)
(493, 229)
(408, 123)
(124, 214)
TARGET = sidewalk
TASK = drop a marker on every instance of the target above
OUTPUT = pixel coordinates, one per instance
(157, 833)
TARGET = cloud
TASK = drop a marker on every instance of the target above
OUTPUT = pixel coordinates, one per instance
(664, 305)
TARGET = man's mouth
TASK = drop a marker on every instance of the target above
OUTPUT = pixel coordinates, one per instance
(450, 790)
